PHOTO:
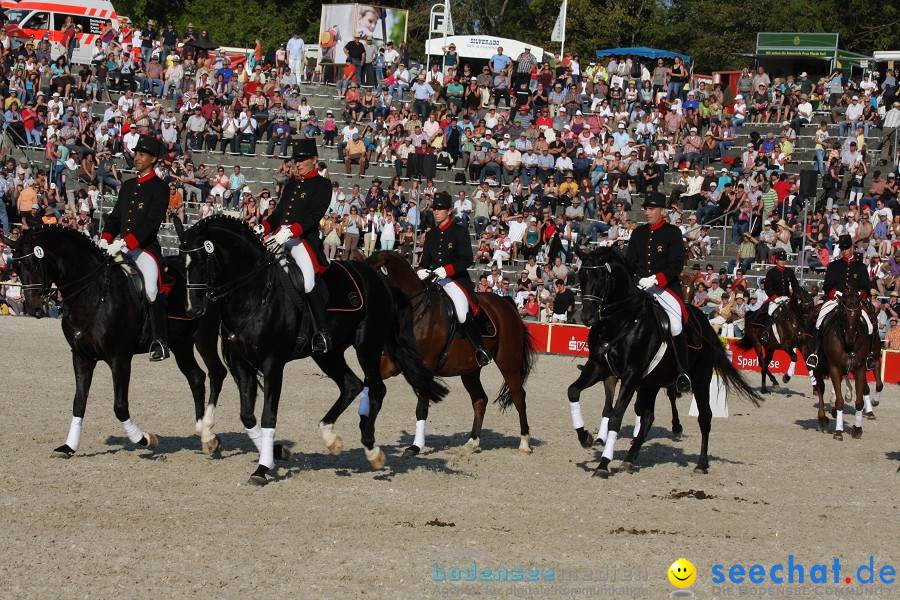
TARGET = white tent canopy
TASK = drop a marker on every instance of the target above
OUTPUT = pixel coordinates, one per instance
(481, 46)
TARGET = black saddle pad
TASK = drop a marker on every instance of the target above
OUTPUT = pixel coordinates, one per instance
(487, 325)
(344, 287)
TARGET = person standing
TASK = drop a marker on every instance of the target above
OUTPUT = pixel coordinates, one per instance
(655, 254)
(446, 255)
(294, 226)
(132, 228)
(295, 50)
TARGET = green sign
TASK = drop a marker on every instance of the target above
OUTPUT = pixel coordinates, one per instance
(789, 52)
(799, 41)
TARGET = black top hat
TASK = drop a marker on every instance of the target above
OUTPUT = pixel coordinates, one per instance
(305, 148)
(845, 241)
(655, 200)
(442, 201)
(149, 145)
(780, 254)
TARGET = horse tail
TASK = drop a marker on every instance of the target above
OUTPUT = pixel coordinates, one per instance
(745, 343)
(728, 372)
(404, 351)
(529, 355)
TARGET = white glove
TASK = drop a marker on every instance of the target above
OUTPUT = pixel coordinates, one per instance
(423, 273)
(646, 283)
(116, 247)
(283, 235)
(103, 244)
(259, 230)
(440, 272)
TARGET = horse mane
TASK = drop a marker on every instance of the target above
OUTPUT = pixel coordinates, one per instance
(232, 225)
(82, 242)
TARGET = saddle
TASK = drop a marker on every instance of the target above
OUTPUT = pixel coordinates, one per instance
(488, 327)
(691, 328)
(173, 280)
(343, 282)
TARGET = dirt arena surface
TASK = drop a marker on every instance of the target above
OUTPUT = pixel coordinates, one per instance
(120, 521)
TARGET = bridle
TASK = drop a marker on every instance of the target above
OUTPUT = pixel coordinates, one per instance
(215, 293)
(606, 310)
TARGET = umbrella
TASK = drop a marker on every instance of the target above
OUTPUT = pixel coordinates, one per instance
(201, 44)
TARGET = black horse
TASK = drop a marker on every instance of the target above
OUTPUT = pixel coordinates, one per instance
(104, 320)
(629, 321)
(265, 324)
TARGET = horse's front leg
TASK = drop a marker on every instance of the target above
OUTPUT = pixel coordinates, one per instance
(626, 391)
(860, 388)
(84, 374)
(835, 374)
(590, 375)
(121, 375)
(273, 378)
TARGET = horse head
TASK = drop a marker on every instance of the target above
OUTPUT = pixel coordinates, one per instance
(213, 248)
(850, 307)
(51, 254)
(803, 300)
(396, 270)
(604, 279)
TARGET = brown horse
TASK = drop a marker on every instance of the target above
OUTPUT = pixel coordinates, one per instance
(449, 356)
(844, 348)
(789, 335)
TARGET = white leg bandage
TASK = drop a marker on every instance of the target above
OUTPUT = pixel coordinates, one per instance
(364, 403)
(610, 446)
(133, 432)
(791, 368)
(577, 418)
(458, 296)
(150, 270)
(419, 440)
(858, 418)
(255, 435)
(73, 440)
(266, 447)
(604, 429)
(866, 400)
(839, 421)
(301, 256)
(671, 304)
(637, 426)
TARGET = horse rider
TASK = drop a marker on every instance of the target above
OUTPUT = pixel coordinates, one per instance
(132, 227)
(294, 225)
(655, 254)
(446, 255)
(780, 285)
(847, 275)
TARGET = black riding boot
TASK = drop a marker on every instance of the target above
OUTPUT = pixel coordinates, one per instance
(683, 382)
(159, 345)
(473, 332)
(812, 361)
(873, 356)
(318, 300)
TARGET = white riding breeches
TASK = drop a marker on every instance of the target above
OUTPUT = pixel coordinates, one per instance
(830, 305)
(458, 296)
(671, 304)
(774, 304)
(300, 253)
(149, 270)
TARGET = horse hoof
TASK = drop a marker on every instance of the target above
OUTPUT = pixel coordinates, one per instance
(785, 379)
(870, 416)
(676, 431)
(763, 390)
(212, 446)
(838, 436)
(411, 451)
(599, 442)
(63, 452)
(152, 441)
(701, 470)
(258, 480)
(586, 439)
(834, 413)
(471, 446)
(856, 432)
(774, 384)
(336, 445)
(627, 467)
(527, 451)
(601, 473)
(823, 423)
(875, 402)
(281, 453)
(376, 458)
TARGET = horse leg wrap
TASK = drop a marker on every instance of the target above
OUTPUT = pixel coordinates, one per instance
(791, 367)
(577, 418)
(255, 434)
(610, 446)
(364, 403)
(858, 419)
(637, 426)
(73, 440)
(266, 447)
(604, 429)
(419, 441)
(867, 402)
(839, 421)
(133, 432)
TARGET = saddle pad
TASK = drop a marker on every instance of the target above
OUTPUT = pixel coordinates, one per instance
(344, 288)
(487, 325)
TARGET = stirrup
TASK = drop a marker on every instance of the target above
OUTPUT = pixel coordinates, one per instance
(321, 342)
(812, 361)
(870, 363)
(482, 357)
(764, 336)
(683, 384)
(159, 350)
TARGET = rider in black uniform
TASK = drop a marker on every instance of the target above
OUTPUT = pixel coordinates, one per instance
(780, 285)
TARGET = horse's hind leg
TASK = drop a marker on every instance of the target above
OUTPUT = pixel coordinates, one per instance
(121, 372)
(369, 356)
(819, 388)
(838, 403)
(644, 406)
(335, 366)
(590, 375)
(196, 378)
(792, 354)
(513, 381)
(472, 383)
(676, 422)
(861, 389)
(421, 420)
(84, 374)
(702, 375)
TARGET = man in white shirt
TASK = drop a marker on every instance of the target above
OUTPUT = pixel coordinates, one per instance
(889, 130)
(462, 208)
(347, 133)
(854, 112)
(512, 161)
(247, 127)
(563, 164)
(401, 75)
(804, 113)
(295, 49)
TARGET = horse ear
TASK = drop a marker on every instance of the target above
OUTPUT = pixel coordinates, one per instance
(179, 228)
(580, 252)
(10, 242)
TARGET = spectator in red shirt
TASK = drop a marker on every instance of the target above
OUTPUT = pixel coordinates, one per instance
(782, 187)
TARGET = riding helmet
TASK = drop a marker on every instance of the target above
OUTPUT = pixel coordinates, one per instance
(305, 148)
(442, 201)
(845, 241)
(655, 200)
(780, 254)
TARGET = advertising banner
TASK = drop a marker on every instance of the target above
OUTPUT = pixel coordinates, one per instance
(340, 22)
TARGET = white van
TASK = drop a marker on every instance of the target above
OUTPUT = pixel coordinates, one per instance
(29, 18)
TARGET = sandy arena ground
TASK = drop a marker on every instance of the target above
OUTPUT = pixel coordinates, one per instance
(120, 521)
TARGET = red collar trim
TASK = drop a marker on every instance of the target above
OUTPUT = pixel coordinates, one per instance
(147, 177)
(849, 260)
(779, 268)
(659, 224)
(311, 174)
(445, 225)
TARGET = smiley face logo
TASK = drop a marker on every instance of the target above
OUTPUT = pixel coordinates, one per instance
(682, 573)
